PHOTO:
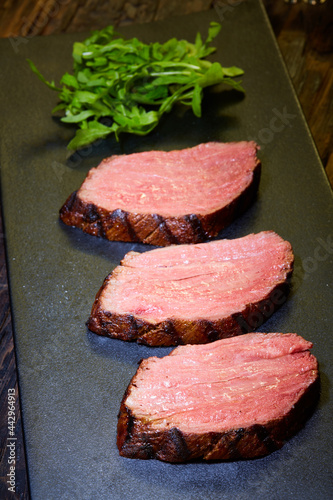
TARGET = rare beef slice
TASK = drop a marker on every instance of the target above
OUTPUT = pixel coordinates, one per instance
(163, 198)
(191, 294)
(236, 398)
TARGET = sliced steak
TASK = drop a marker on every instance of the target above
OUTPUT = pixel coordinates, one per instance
(233, 399)
(191, 294)
(163, 198)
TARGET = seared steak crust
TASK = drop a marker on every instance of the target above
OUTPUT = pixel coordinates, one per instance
(146, 435)
(153, 228)
(248, 310)
(136, 438)
(176, 331)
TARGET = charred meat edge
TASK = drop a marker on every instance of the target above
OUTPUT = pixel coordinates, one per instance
(176, 331)
(155, 229)
(136, 438)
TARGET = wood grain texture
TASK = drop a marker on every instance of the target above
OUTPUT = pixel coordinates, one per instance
(31, 18)
(305, 37)
(9, 381)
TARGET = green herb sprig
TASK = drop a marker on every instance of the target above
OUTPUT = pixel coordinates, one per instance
(133, 83)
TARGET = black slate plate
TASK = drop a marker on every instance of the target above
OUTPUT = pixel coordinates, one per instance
(72, 381)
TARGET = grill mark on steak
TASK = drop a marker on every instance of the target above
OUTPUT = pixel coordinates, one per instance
(266, 438)
(230, 442)
(166, 331)
(173, 444)
(143, 225)
(143, 433)
(161, 235)
(130, 229)
(195, 222)
(127, 224)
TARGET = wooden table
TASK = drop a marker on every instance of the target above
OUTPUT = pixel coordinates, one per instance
(304, 34)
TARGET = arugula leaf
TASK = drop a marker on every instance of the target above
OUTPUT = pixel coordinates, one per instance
(233, 71)
(69, 81)
(196, 100)
(70, 118)
(133, 84)
(51, 85)
(86, 136)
